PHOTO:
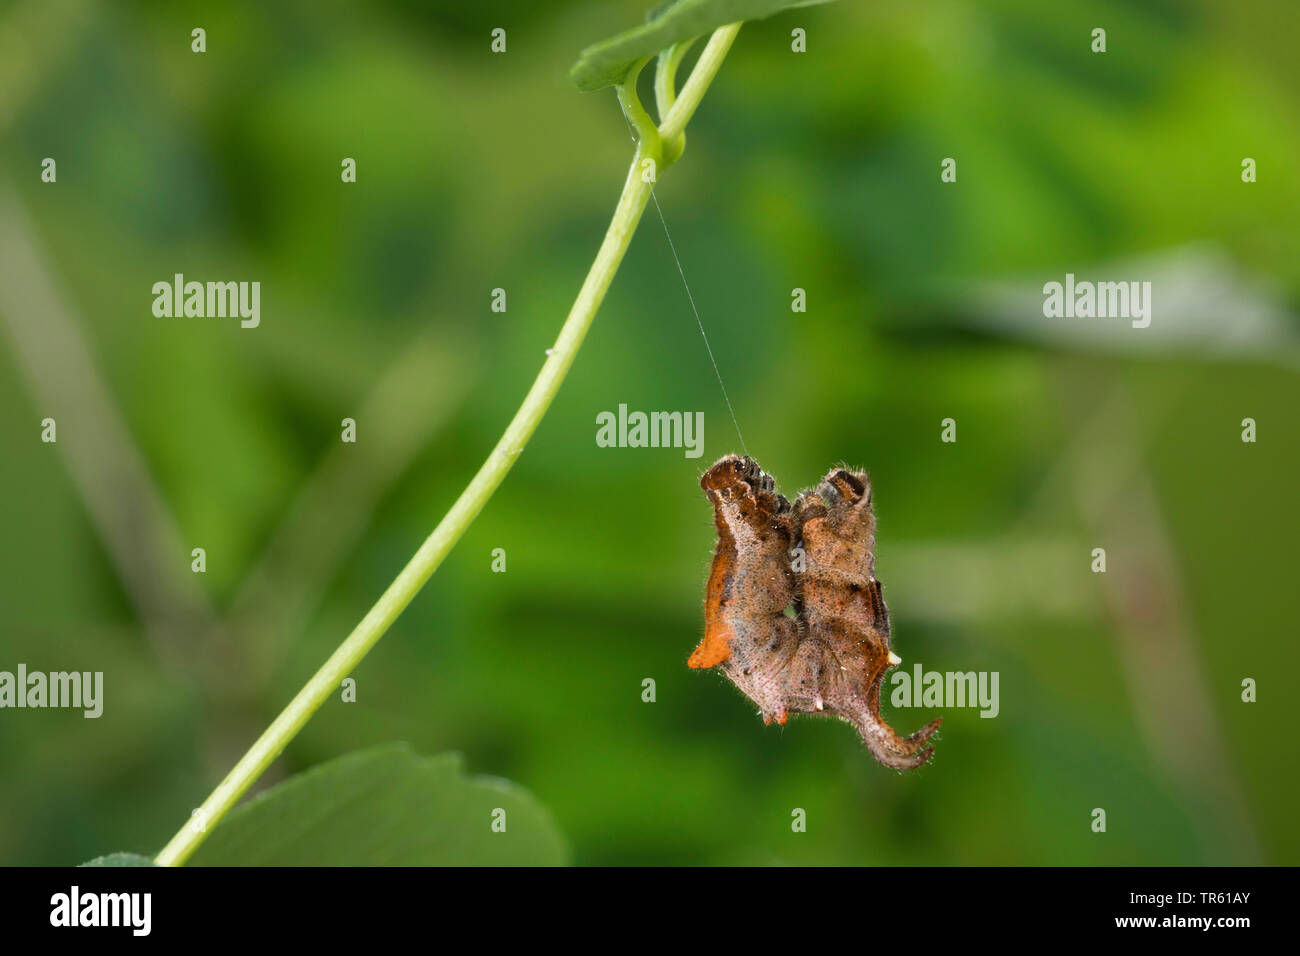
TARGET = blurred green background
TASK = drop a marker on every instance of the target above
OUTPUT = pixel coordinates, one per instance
(817, 170)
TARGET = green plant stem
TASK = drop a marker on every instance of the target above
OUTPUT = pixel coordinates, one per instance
(326, 681)
(646, 131)
(666, 94)
(706, 68)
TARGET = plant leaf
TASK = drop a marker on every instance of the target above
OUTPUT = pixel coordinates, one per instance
(607, 62)
(1199, 287)
(120, 859)
(386, 806)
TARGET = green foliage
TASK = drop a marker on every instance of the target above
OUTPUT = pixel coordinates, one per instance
(819, 171)
(386, 806)
(607, 62)
(120, 859)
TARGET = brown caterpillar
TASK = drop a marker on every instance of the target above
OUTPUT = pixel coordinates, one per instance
(809, 636)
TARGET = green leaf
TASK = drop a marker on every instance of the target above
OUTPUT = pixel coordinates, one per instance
(386, 806)
(607, 62)
(1198, 285)
(120, 859)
